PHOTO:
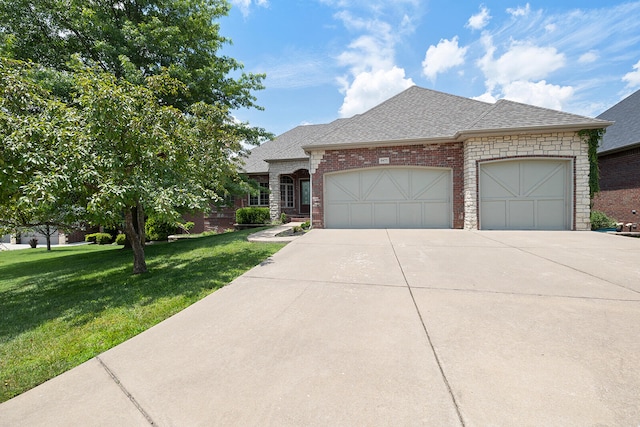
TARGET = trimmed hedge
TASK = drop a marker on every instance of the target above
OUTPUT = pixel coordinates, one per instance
(253, 216)
(121, 239)
(158, 230)
(99, 238)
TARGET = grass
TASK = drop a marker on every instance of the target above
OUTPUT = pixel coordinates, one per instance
(63, 307)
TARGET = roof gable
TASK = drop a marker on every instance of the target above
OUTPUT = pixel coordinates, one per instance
(625, 132)
(416, 113)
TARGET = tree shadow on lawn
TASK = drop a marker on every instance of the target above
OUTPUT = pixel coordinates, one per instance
(78, 287)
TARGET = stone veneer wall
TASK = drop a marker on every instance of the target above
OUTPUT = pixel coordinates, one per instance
(446, 155)
(277, 168)
(562, 145)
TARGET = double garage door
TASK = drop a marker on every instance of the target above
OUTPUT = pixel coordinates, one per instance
(533, 194)
(522, 194)
(388, 197)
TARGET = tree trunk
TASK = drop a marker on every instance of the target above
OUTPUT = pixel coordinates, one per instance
(48, 234)
(134, 225)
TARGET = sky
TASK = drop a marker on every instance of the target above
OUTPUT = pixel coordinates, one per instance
(329, 59)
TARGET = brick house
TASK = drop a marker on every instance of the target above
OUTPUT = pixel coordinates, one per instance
(427, 159)
(619, 162)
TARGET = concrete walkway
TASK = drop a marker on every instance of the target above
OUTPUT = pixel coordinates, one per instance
(383, 327)
(271, 234)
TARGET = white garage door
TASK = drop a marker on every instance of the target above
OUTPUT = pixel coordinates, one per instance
(42, 239)
(388, 198)
(532, 194)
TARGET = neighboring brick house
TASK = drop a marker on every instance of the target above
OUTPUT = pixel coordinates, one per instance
(619, 162)
(427, 159)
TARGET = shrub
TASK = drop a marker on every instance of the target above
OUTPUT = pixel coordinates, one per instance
(121, 239)
(252, 216)
(99, 238)
(156, 229)
(283, 218)
(305, 225)
(601, 220)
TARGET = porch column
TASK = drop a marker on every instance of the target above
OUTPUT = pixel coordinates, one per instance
(274, 196)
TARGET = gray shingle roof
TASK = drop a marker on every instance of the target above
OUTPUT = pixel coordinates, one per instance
(287, 146)
(626, 130)
(417, 114)
(507, 115)
(425, 114)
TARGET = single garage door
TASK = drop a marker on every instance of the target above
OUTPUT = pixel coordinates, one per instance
(532, 194)
(388, 197)
(42, 239)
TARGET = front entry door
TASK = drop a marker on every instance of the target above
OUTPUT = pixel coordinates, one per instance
(305, 197)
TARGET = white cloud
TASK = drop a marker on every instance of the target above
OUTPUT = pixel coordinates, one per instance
(370, 88)
(367, 52)
(522, 61)
(540, 93)
(588, 57)
(519, 11)
(300, 70)
(447, 54)
(245, 5)
(633, 78)
(479, 20)
(485, 97)
(372, 74)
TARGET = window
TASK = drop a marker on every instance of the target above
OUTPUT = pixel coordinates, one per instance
(261, 199)
(286, 192)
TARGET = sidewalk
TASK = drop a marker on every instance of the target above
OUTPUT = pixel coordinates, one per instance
(271, 234)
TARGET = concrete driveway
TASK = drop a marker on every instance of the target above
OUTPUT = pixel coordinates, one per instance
(383, 327)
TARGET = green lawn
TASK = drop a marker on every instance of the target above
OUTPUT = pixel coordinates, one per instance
(63, 307)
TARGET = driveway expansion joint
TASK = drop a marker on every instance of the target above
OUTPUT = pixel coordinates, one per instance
(564, 265)
(126, 392)
(525, 294)
(426, 332)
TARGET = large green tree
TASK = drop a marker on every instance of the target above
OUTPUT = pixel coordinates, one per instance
(115, 153)
(35, 128)
(132, 39)
(143, 103)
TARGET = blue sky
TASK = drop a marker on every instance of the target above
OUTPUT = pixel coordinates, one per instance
(326, 59)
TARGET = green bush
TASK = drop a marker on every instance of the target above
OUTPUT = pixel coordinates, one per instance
(601, 220)
(283, 218)
(99, 238)
(156, 229)
(121, 239)
(253, 216)
(305, 225)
